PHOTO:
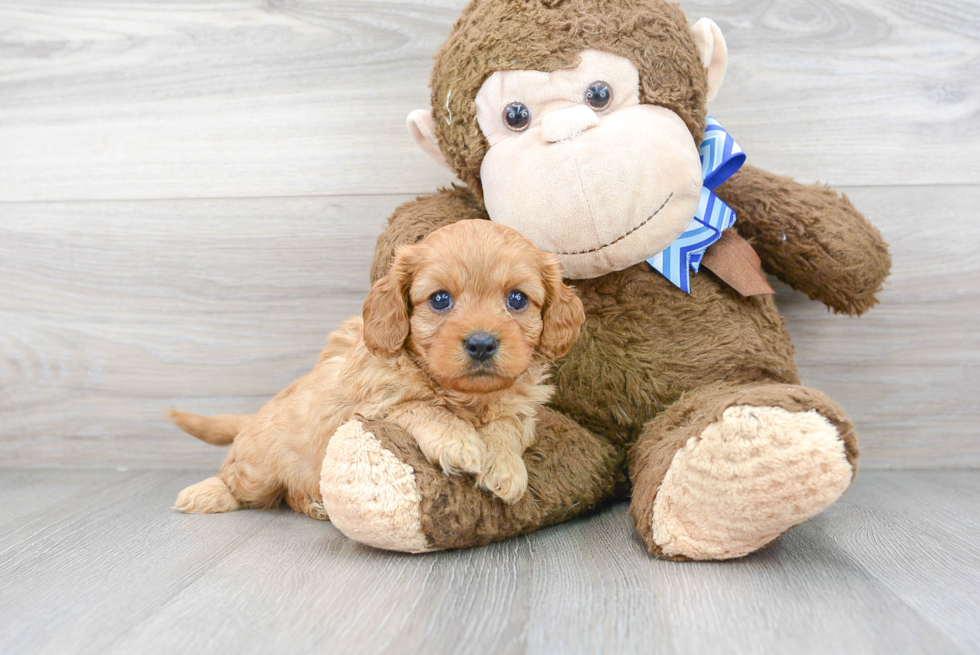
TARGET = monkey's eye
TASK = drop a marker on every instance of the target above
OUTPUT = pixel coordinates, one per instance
(516, 300)
(517, 116)
(598, 95)
(440, 301)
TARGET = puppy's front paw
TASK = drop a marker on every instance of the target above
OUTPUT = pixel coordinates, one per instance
(506, 478)
(463, 455)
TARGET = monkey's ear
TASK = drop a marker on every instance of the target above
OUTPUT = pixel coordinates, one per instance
(714, 53)
(422, 127)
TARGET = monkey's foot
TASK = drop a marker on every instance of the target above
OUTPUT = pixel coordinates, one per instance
(370, 495)
(745, 480)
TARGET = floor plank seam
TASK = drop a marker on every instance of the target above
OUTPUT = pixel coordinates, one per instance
(395, 194)
(167, 602)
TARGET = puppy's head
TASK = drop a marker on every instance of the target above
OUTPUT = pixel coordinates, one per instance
(473, 302)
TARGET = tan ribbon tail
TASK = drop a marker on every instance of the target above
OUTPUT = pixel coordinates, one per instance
(733, 260)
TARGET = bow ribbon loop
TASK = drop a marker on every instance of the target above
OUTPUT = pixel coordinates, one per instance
(720, 158)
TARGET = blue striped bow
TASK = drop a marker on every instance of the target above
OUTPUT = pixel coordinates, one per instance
(720, 158)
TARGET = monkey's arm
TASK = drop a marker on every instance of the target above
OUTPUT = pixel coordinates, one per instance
(416, 219)
(810, 237)
(377, 483)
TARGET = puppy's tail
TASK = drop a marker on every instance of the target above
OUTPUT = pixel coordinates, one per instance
(216, 430)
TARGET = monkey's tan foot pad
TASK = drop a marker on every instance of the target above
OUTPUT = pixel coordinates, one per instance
(745, 480)
(370, 495)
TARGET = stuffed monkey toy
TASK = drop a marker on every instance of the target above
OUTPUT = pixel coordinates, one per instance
(583, 124)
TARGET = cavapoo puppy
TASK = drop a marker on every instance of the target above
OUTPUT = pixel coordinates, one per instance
(453, 346)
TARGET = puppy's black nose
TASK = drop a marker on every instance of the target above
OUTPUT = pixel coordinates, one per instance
(481, 346)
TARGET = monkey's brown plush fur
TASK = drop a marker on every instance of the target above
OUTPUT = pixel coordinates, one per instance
(690, 402)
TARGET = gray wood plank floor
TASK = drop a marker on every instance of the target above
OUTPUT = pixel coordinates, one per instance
(96, 562)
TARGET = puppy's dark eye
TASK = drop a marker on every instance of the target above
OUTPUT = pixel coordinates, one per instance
(440, 301)
(598, 95)
(516, 300)
(517, 116)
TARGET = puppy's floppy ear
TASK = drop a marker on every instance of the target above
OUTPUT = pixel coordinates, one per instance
(563, 312)
(386, 322)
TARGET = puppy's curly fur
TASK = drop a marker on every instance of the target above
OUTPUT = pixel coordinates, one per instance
(405, 361)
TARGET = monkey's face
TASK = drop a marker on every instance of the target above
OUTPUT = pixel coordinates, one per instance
(584, 170)
(588, 145)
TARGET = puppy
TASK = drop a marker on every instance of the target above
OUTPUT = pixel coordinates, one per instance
(453, 346)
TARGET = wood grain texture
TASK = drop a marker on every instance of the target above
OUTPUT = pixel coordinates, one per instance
(917, 533)
(852, 92)
(189, 196)
(112, 311)
(214, 99)
(114, 553)
(891, 568)
(908, 370)
(216, 285)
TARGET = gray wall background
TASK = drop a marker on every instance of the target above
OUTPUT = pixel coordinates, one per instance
(190, 193)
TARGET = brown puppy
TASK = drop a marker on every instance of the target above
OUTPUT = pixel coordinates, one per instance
(453, 346)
